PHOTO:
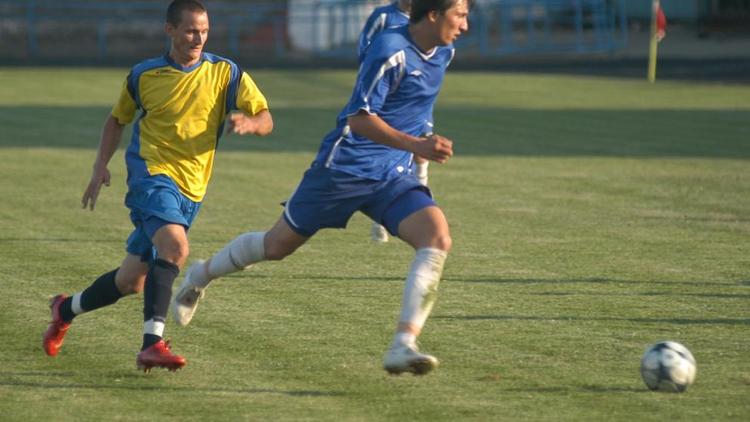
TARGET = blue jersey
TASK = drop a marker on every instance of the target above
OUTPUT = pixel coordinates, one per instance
(398, 83)
(383, 17)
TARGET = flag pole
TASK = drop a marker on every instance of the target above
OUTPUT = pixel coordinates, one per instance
(654, 41)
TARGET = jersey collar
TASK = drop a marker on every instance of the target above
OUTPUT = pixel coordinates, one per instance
(425, 56)
(186, 69)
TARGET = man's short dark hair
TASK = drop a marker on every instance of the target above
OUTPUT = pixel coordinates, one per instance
(420, 8)
(175, 9)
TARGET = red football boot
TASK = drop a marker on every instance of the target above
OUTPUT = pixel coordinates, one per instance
(159, 354)
(52, 340)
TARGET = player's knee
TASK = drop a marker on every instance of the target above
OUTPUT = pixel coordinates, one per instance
(182, 253)
(131, 285)
(276, 254)
(137, 287)
(175, 253)
(276, 251)
(442, 241)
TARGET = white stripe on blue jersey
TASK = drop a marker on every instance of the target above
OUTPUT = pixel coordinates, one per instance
(397, 60)
(378, 25)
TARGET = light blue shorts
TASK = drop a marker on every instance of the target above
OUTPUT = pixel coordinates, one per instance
(155, 201)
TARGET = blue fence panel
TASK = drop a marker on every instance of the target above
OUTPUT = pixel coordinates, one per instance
(234, 27)
(496, 27)
(37, 30)
(531, 26)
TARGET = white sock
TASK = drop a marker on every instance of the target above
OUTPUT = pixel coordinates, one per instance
(198, 276)
(240, 253)
(422, 282)
(403, 339)
(75, 304)
(422, 172)
(154, 327)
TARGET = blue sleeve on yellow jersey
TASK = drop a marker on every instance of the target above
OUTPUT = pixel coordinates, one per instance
(130, 97)
(138, 70)
(249, 98)
(234, 80)
(131, 87)
(242, 93)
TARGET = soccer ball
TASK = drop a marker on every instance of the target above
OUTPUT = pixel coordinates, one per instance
(668, 366)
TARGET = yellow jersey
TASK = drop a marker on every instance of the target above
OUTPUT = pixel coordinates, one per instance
(181, 117)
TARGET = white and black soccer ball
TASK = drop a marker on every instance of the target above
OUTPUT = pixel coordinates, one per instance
(668, 366)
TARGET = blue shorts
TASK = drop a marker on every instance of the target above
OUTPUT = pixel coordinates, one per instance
(328, 198)
(155, 201)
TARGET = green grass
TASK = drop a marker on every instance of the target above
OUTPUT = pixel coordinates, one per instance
(590, 217)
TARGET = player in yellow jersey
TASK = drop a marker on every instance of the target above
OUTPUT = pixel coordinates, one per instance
(178, 104)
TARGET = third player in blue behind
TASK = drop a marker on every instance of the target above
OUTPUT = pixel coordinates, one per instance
(364, 164)
(384, 17)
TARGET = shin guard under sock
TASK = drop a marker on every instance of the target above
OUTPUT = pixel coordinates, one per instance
(156, 295)
(102, 292)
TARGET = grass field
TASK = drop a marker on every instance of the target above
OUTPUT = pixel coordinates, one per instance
(590, 218)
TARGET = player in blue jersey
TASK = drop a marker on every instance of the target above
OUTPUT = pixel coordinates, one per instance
(390, 16)
(179, 104)
(364, 164)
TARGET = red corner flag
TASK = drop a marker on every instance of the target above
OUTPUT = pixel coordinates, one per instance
(661, 23)
(658, 31)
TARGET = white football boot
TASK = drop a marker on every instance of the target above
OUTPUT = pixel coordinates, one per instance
(379, 233)
(400, 359)
(185, 301)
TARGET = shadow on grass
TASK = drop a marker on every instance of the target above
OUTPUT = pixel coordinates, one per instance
(399, 277)
(59, 239)
(585, 389)
(669, 294)
(160, 388)
(317, 278)
(585, 280)
(678, 321)
(562, 389)
(475, 130)
(733, 69)
(607, 389)
(697, 219)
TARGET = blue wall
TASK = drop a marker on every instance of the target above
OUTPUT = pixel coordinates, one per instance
(685, 10)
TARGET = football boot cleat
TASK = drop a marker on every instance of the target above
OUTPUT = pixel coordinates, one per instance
(402, 359)
(159, 355)
(52, 340)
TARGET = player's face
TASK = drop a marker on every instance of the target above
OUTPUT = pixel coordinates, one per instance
(189, 37)
(453, 22)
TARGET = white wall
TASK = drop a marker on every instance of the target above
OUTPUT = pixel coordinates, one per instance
(319, 25)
